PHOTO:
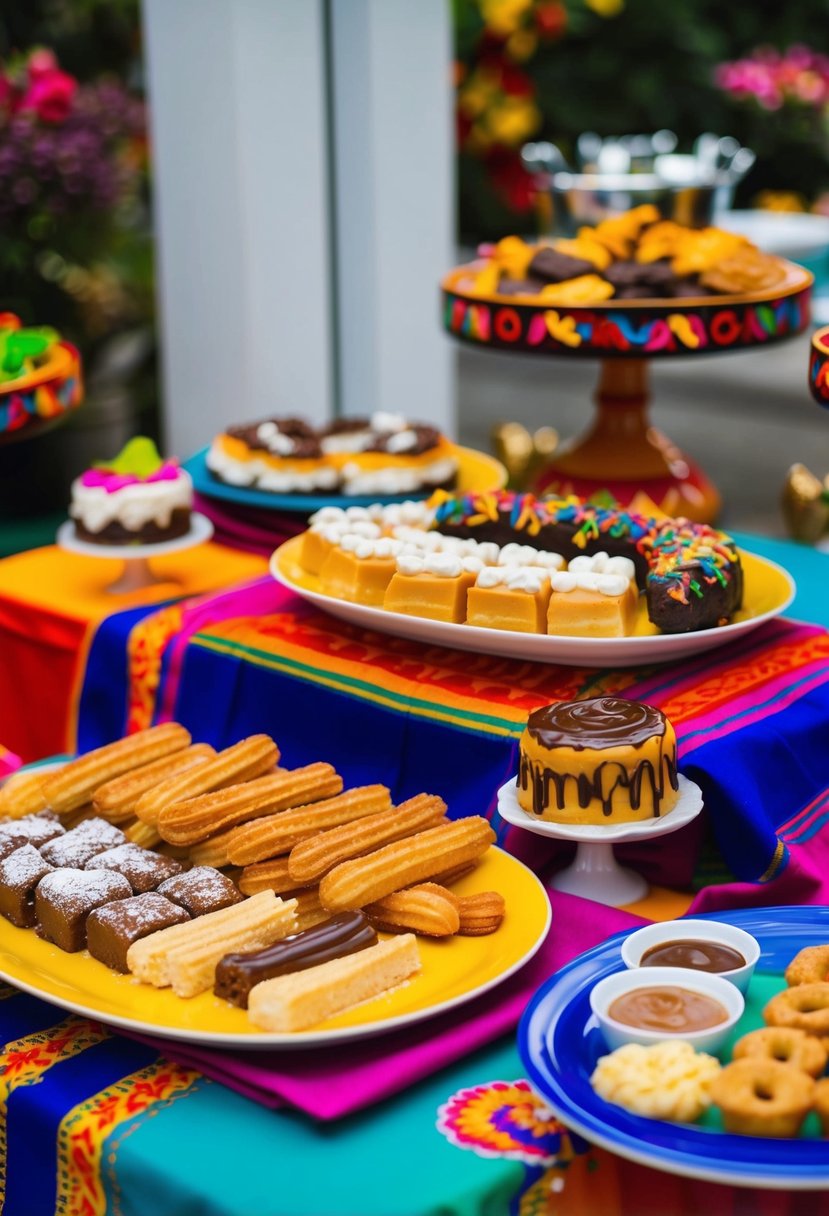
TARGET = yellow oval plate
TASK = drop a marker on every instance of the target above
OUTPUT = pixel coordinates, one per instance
(769, 589)
(454, 970)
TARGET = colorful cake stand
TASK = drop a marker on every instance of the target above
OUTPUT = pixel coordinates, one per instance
(43, 394)
(595, 873)
(621, 452)
(137, 572)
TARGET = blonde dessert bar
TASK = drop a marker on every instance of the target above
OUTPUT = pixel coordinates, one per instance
(306, 998)
(595, 597)
(359, 570)
(510, 597)
(434, 585)
(186, 959)
(322, 538)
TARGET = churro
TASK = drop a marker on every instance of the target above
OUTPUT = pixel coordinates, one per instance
(74, 784)
(116, 799)
(427, 909)
(191, 821)
(270, 875)
(267, 837)
(480, 914)
(309, 910)
(243, 761)
(213, 851)
(23, 795)
(312, 858)
(184, 956)
(353, 884)
(295, 1002)
(141, 833)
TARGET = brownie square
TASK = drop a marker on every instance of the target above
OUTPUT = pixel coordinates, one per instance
(20, 873)
(9, 843)
(76, 848)
(142, 868)
(64, 899)
(34, 829)
(555, 267)
(201, 890)
(111, 930)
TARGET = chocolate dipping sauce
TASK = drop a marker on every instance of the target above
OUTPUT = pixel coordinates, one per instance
(694, 955)
(667, 1008)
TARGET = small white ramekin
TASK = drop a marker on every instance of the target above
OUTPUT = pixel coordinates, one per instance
(616, 1034)
(638, 943)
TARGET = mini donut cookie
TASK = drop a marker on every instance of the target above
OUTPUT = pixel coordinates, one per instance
(803, 1051)
(809, 966)
(691, 573)
(762, 1097)
(805, 1007)
(821, 1104)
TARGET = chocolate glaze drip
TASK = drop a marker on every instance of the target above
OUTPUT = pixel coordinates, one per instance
(596, 722)
(343, 934)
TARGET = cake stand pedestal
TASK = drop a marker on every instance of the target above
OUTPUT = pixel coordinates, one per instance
(621, 452)
(595, 873)
(136, 572)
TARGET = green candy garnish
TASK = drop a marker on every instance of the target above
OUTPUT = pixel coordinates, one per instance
(138, 458)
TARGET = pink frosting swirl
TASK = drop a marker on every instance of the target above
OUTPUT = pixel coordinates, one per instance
(107, 480)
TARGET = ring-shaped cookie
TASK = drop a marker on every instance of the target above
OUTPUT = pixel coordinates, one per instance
(821, 1104)
(805, 1007)
(809, 966)
(762, 1097)
(786, 1044)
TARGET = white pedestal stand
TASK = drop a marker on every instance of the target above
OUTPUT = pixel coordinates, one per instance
(137, 572)
(594, 873)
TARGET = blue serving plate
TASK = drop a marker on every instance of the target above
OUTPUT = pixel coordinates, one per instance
(560, 1042)
(476, 472)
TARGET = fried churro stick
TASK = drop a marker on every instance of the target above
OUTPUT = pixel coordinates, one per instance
(268, 876)
(211, 852)
(141, 833)
(116, 799)
(480, 914)
(267, 837)
(309, 910)
(23, 795)
(426, 909)
(193, 820)
(305, 998)
(312, 858)
(77, 781)
(447, 877)
(353, 884)
(243, 761)
(187, 960)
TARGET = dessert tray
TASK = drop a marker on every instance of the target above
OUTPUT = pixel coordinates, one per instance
(476, 471)
(559, 1042)
(769, 590)
(453, 973)
(137, 572)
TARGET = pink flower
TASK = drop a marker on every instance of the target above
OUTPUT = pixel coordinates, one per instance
(41, 62)
(50, 94)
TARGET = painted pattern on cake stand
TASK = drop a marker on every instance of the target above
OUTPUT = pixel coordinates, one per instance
(595, 873)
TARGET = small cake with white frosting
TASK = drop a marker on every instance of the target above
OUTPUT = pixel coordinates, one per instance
(433, 585)
(381, 454)
(596, 596)
(137, 498)
(510, 597)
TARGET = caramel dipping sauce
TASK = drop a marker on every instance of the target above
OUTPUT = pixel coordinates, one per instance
(694, 955)
(667, 1009)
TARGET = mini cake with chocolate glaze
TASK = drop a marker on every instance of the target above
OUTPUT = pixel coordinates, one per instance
(135, 499)
(381, 454)
(599, 761)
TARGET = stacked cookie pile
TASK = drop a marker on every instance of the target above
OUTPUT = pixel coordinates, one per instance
(323, 870)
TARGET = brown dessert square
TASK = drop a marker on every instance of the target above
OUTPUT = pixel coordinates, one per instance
(34, 829)
(111, 930)
(9, 843)
(64, 899)
(76, 848)
(20, 873)
(142, 868)
(201, 890)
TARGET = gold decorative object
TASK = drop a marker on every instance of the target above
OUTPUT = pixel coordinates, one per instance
(805, 504)
(522, 453)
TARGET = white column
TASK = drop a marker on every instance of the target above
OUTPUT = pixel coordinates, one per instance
(238, 106)
(394, 226)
